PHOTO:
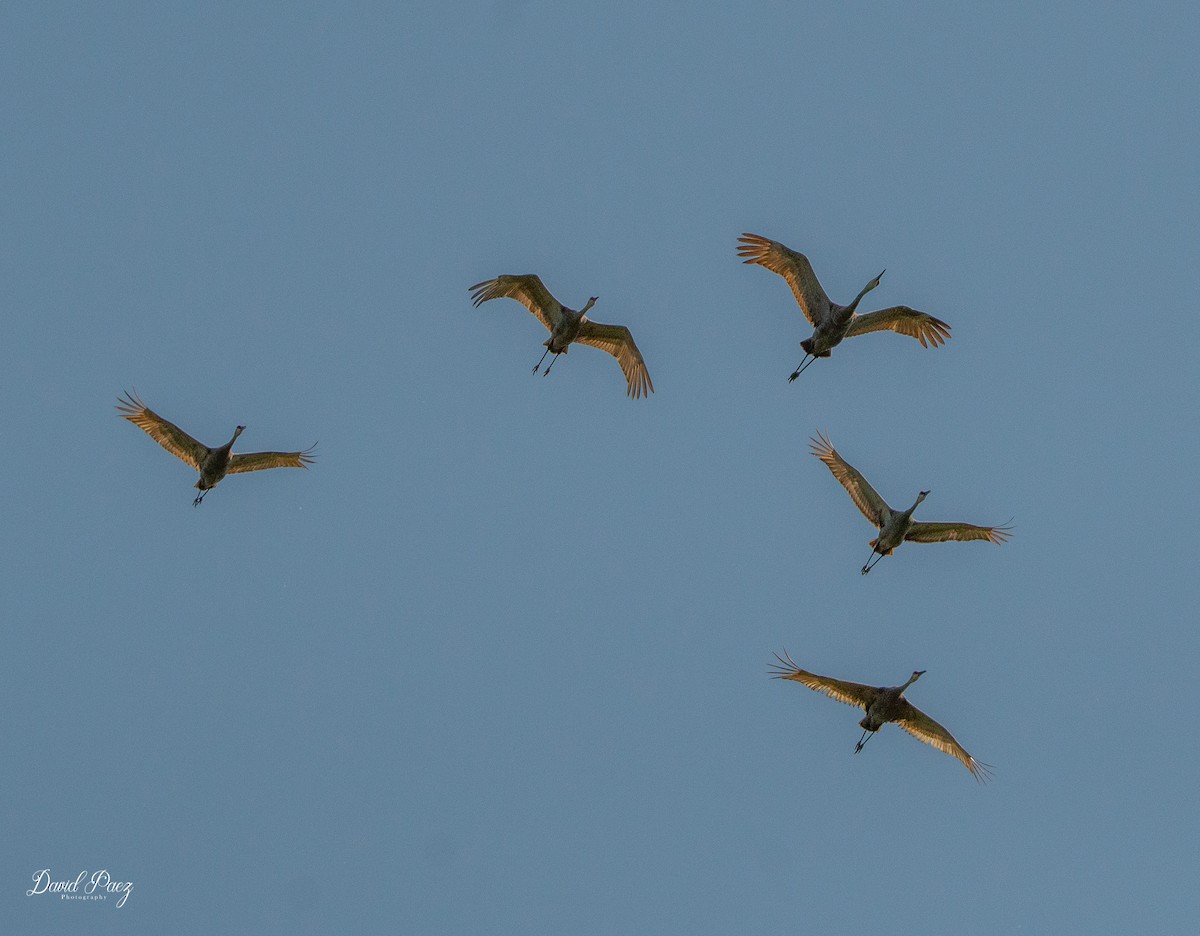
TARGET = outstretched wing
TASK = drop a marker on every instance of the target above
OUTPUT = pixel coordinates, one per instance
(921, 532)
(527, 290)
(258, 461)
(851, 693)
(617, 340)
(924, 728)
(793, 267)
(905, 321)
(873, 506)
(166, 434)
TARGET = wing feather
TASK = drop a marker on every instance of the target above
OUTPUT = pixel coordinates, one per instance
(922, 532)
(165, 433)
(905, 321)
(527, 290)
(618, 341)
(258, 461)
(793, 267)
(851, 693)
(873, 507)
(924, 728)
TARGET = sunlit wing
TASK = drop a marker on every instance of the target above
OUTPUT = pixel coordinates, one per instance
(921, 532)
(851, 693)
(527, 290)
(258, 461)
(905, 321)
(617, 340)
(924, 728)
(793, 267)
(166, 434)
(873, 506)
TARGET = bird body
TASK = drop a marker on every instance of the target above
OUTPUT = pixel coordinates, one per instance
(882, 704)
(212, 463)
(570, 323)
(832, 323)
(894, 526)
(566, 326)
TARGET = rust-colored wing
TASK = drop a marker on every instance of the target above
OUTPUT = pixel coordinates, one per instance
(851, 693)
(617, 340)
(921, 532)
(527, 290)
(924, 728)
(873, 507)
(793, 267)
(165, 433)
(905, 321)
(259, 461)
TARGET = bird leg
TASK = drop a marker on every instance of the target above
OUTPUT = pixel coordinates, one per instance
(552, 360)
(543, 357)
(802, 367)
(200, 497)
(867, 732)
(870, 565)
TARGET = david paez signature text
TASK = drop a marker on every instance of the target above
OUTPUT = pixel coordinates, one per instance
(97, 887)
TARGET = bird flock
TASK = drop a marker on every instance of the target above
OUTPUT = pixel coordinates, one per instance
(831, 322)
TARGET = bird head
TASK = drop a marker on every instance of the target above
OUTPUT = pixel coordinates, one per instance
(238, 431)
(921, 495)
(917, 674)
(591, 302)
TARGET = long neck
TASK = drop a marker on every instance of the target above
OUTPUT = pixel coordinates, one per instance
(236, 432)
(857, 300)
(916, 503)
(866, 289)
(911, 679)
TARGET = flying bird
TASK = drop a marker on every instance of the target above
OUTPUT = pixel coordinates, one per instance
(883, 704)
(896, 526)
(567, 326)
(212, 463)
(834, 322)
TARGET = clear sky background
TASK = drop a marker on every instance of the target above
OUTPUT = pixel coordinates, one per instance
(498, 662)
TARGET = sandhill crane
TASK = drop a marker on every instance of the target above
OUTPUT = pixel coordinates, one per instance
(567, 325)
(896, 526)
(834, 322)
(212, 463)
(883, 704)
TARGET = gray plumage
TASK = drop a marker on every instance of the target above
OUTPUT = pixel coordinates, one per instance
(883, 704)
(896, 526)
(566, 326)
(212, 463)
(833, 322)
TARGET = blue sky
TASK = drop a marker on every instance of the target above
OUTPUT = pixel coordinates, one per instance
(497, 663)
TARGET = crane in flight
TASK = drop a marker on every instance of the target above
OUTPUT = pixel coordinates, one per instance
(883, 704)
(833, 322)
(896, 526)
(212, 463)
(567, 326)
